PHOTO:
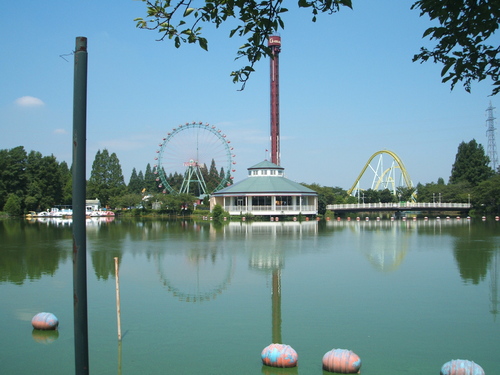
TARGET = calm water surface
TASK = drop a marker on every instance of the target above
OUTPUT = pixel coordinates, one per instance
(203, 299)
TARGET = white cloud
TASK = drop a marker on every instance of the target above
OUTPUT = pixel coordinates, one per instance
(29, 101)
(60, 131)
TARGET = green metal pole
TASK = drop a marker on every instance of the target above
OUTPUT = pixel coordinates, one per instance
(79, 192)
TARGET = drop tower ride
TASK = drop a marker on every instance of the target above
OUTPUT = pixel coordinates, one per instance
(275, 44)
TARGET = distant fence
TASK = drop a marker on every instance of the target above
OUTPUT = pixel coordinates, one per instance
(402, 206)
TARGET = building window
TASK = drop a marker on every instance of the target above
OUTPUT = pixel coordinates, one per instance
(283, 201)
(239, 201)
(261, 201)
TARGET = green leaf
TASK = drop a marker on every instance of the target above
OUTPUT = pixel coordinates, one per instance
(203, 43)
(188, 11)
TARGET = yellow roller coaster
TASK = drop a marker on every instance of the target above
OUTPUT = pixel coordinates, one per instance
(385, 178)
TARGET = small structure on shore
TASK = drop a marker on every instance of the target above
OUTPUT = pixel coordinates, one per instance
(266, 192)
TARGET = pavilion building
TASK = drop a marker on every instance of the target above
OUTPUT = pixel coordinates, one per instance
(266, 192)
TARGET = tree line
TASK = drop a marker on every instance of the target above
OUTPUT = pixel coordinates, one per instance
(33, 182)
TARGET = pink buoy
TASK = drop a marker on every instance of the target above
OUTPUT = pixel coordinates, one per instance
(279, 355)
(341, 361)
(44, 321)
(461, 367)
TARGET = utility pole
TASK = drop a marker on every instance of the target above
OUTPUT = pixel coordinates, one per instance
(79, 189)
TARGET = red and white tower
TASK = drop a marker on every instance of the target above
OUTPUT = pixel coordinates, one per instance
(275, 45)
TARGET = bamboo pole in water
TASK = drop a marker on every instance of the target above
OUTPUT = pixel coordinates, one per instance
(118, 312)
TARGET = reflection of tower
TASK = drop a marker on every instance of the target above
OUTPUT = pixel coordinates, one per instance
(490, 133)
(276, 306)
(494, 284)
(275, 45)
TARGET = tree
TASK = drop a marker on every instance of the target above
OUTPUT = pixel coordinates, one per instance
(13, 179)
(45, 182)
(136, 183)
(150, 180)
(67, 178)
(487, 195)
(471, 164)
(106, 178)
(465, 27)
(13, 206)
(255, 20)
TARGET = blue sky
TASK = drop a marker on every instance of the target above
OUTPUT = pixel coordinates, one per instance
(348, 89)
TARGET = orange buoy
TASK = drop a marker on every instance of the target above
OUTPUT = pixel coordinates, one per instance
(44, 320)
(342, 361)
(279, 355)
(461, 367)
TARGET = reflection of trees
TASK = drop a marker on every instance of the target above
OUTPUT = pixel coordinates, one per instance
(104, 242)
(473, 256)
(31, 250)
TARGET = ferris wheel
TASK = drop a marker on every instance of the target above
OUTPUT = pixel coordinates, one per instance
(194, 158)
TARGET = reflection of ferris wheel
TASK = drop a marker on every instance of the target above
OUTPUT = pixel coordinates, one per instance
(187, 158)
(196, 278)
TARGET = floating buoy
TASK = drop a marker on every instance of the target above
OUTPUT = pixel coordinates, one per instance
(461, 367)
(341, 361)
(44, 321)
(279, 355)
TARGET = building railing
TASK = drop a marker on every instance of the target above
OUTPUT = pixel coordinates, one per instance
(284, 208)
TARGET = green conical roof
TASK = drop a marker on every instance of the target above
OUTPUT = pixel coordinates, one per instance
(266, 183)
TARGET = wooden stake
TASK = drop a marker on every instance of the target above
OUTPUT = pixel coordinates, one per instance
(118, 313)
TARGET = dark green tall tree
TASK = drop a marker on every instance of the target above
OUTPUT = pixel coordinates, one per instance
(13, 178)
(106, 178)
(67, 179)
(471, 164)
(136, 182)
(45, 182)
(150, 182)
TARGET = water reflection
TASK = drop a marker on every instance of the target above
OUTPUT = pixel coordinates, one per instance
(197, 276)
(201, 265)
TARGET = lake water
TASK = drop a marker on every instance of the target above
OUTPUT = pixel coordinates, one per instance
(203, 299)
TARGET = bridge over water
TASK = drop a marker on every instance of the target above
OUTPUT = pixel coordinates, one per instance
(402, 206)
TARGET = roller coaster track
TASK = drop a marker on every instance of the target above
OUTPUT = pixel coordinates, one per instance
(384, 177)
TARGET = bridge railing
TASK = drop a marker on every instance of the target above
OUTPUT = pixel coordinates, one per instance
(397, 206)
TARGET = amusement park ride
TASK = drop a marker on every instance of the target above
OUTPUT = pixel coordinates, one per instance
(189, 150)
(391, 178)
